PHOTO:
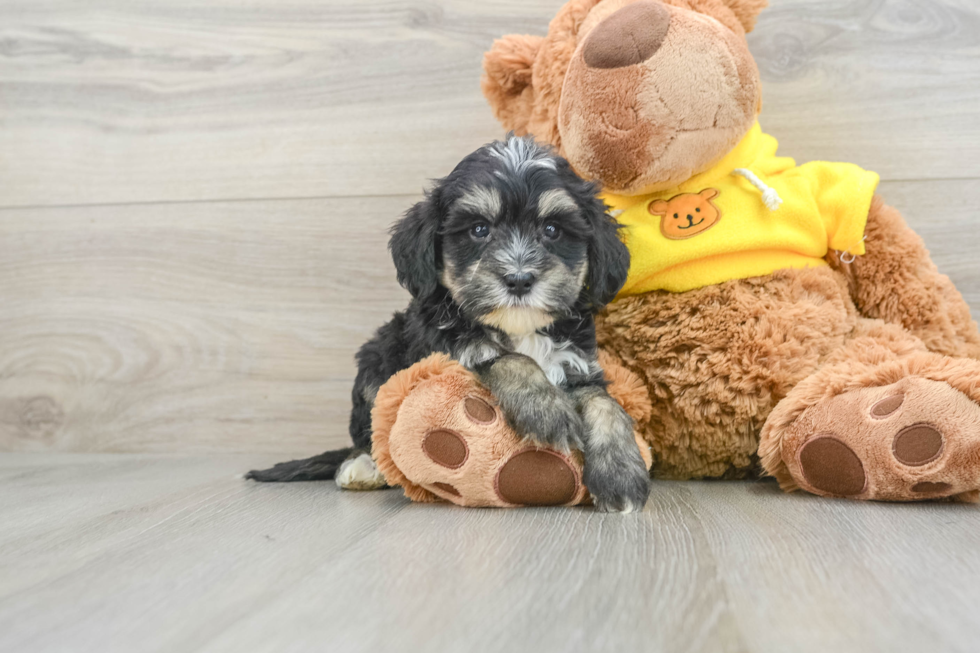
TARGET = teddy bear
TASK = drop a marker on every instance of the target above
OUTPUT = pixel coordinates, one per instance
(778, 319)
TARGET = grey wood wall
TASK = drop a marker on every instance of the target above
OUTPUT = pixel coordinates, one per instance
(194, 196)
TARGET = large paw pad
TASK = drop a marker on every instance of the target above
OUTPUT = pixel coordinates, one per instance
(832, 466)
(537, 477)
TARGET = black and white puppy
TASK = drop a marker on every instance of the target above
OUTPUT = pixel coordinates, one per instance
(507, 260)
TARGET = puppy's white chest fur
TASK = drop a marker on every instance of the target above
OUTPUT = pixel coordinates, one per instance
(550, 356)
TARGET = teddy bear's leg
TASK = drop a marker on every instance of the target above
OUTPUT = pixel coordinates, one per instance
(880, 426)
(715, 361)
(896, 281)
(439, 435)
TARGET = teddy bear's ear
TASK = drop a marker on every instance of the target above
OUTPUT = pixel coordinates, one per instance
(506, 79)
(658, 208)
(709, 193)
(746, 11)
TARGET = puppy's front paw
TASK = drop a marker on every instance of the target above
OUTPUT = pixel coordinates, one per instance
(549, 420)
(534, 408)
(622, 487)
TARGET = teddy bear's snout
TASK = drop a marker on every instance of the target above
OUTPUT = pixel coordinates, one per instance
(629, 36)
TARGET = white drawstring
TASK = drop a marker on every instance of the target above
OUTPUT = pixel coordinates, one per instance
(770, 197)
(851, 257)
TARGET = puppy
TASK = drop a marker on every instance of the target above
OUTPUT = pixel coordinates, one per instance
(507, 260)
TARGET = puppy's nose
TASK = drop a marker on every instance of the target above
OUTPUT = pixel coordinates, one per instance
(519, 284)
(629, 36)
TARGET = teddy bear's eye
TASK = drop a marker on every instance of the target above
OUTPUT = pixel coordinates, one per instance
(698, 210)
(675, 215)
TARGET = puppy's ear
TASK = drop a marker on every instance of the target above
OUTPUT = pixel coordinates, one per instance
(609, 260)
(414, 246)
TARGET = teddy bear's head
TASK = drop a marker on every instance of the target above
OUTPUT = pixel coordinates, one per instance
(638, 94)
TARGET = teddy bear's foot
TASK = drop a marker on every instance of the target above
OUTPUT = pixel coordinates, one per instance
(439, 435)
(468, 455)
(915, 439)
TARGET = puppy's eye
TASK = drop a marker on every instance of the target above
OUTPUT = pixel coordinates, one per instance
(552, 231)
(480, 230)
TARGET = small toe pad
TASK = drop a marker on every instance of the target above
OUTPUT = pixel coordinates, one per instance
(446, 448)
(447, 488)
(917, 445)
(479, 411)
(927, 487)
(887, 406)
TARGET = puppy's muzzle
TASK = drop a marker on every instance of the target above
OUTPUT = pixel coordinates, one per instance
(519, 284)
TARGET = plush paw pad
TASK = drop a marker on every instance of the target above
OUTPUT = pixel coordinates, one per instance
(832, 467)
(917, 445)
(537, 477)
(446, 448)
(916, 439)
(451, 440)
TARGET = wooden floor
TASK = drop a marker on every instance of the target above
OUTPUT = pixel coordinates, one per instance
(110, 552)
(193, 204)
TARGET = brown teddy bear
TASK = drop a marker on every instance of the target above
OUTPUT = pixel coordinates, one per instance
(776, 316)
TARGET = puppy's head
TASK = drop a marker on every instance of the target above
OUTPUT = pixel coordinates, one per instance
(517, 238)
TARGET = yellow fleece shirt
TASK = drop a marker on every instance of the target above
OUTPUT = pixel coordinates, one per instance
(716, 226)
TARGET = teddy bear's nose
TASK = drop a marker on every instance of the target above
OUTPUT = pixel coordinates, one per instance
(629, 36)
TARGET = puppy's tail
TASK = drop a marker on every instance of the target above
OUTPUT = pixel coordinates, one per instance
(318, 468)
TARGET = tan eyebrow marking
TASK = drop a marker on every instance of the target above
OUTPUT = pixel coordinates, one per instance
(482, 200)
(555, 201)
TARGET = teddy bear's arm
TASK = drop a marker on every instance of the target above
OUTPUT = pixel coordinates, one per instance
(896, 281)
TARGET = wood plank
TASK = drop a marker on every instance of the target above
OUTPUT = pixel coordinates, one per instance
(202, 561)
(232, 326)
(189, 327)
(890, 86)
(116, 101)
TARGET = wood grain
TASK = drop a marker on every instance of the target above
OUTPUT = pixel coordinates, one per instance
(232, 326)
(152, 553)
(888, 84)
(115, 101)
(179, 323)
(193, 204)
(199, 327)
